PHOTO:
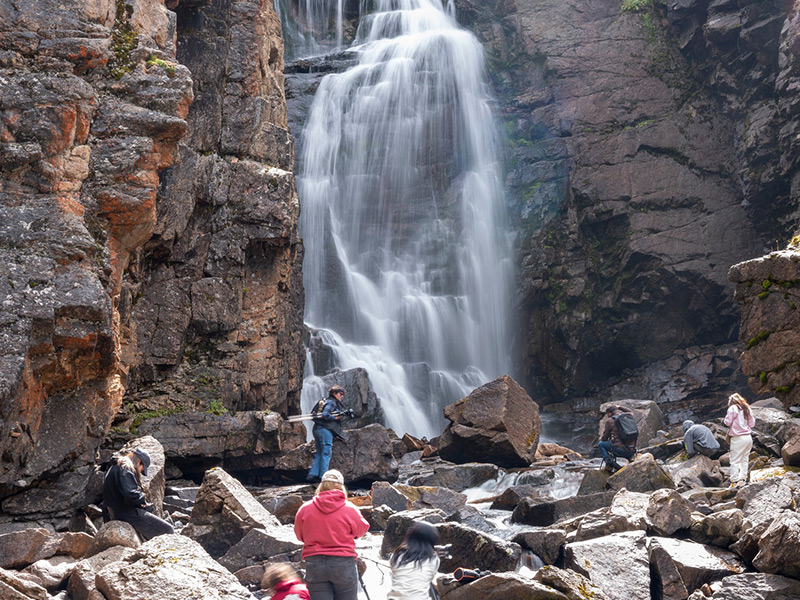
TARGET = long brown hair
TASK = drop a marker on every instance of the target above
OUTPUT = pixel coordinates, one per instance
(739, 401)
(130, 462)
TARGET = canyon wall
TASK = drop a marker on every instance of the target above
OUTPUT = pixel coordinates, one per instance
(652, 146)
(149, 249)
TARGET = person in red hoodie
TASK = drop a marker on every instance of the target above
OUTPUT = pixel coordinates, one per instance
(328, 526)
(283, 582)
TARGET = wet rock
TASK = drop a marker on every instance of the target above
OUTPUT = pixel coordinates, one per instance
(457, 477)
(599, 523)
(698, 471)
(82, 580)
(171, 567)
(497, 423)
(721, 528)
(573, 585)
(472, 549)
(472, 517)
(682, 567)
(546, 511)
(593, 482)
(510, 497)
(258, 545)
(547, 544)
(777, 547)
(224, 513)
(641, 475)
(502, 586)
(114, 533)
(617, 563)
(536, 477)
(18, 548)
(668, 512)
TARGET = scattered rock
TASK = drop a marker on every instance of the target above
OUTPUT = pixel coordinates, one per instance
(641, 475)
(547, 544)
(668, 512)
(114, 533)
(778, 546)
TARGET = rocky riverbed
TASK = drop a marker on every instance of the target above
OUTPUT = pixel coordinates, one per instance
(661, 528)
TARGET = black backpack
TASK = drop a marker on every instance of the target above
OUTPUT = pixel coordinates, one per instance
(626, 428)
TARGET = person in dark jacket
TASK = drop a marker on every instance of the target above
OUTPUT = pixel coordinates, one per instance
(124, 499)
(326, 426)
(698, 439)
(610, 444)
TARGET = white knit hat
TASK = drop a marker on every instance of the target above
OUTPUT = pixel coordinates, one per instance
(333, 475)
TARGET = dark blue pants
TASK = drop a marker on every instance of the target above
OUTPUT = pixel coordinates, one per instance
(323, 439)
(610, 452)
(332, 577)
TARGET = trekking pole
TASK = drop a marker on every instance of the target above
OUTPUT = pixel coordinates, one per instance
(363, 587)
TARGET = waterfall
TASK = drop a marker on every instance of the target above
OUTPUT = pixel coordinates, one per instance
(408, 262)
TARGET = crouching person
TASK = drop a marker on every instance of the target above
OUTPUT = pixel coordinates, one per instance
(124, 499)
(699, 439)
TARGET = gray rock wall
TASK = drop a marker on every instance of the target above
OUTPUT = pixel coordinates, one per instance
(649, 151)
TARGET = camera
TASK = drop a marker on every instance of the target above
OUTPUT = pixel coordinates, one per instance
(347, 413)
(444, 551)
(463, 575)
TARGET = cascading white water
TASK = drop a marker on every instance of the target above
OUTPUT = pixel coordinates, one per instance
(407, 268)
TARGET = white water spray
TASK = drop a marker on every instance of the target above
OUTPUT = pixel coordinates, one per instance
(407, 268)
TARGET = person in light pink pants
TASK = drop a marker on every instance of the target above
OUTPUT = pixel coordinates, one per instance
(740, 422)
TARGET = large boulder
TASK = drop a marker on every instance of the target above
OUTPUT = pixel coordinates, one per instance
(682, 567)
(668, 512)
(547, 544)
(573, 585)
(641, 475)
(14, 586)
(503, 586)
(764, 500)
(698, 471)
(497, 423)
(778, 546)
(649, 418)
(757, 586)
(471, 549)
(114, 533)
(367, 455)
(457, 477)
(721, 528)
(19, 548)
(224, 512)
(53, 571)
(542, 512)
(617, 563)
(169, 567)
(259, 545)
(82, 581)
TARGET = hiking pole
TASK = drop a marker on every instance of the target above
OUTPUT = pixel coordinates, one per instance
(363, 587)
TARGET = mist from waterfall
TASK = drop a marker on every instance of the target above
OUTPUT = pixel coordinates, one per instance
(408, 263)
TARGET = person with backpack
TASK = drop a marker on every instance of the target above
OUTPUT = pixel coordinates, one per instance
(328, 526)
(740, 422)
(415, 563)
(327, 425)
(699, 439)
(619, 437)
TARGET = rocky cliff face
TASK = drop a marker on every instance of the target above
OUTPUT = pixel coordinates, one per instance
(652, 147)
(149, 248)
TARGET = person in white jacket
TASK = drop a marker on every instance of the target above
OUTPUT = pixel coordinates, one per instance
(414, 563)
(740, 422)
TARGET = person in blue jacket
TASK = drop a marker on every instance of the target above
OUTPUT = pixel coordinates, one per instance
(326, 426)
(124, 499)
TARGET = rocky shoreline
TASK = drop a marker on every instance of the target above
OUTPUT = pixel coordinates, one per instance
(661, 528)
